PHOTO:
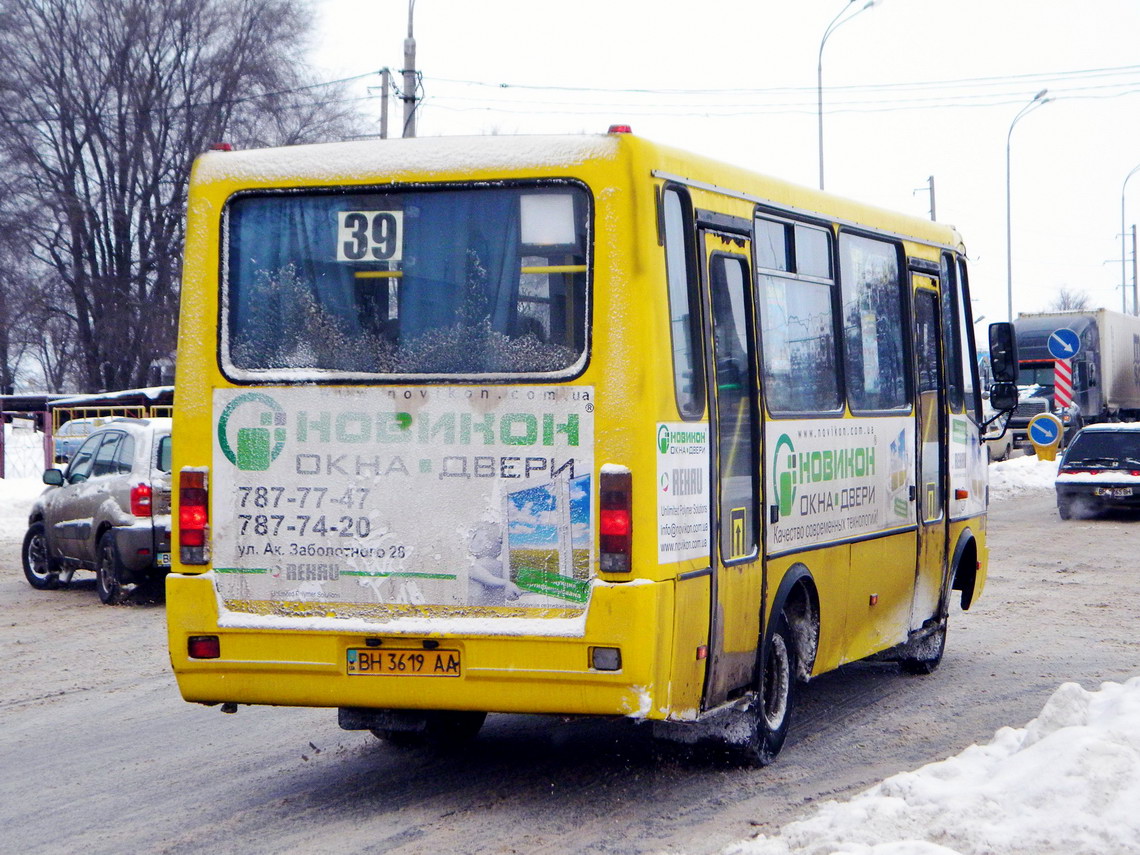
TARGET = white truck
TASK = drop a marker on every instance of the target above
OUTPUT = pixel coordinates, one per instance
(1105, 368)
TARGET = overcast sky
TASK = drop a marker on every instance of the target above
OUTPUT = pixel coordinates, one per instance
(912, 88)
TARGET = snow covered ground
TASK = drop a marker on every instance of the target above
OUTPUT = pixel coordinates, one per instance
(24, 464)
(1066, 782)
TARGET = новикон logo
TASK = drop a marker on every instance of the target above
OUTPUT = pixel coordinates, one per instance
(262, 438)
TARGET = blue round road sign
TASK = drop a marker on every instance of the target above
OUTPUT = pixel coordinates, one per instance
(1044, 431)
(1064, 344)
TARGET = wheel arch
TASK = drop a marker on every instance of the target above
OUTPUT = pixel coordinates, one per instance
(963, 570)
(798, 599)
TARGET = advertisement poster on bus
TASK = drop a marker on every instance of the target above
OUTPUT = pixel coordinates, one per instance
(836, 479)
(459, 499)
(682, 492)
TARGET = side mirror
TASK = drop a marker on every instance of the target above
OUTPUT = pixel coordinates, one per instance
(1003, 397)
(1003, 353)
(53, 477)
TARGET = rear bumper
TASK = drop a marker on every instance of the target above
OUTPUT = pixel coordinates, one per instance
(140, 548)
(1109, 495)
(499, 673)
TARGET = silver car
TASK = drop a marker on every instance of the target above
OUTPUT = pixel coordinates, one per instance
(109, 512)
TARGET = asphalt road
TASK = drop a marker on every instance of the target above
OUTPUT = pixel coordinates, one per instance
(98, 753)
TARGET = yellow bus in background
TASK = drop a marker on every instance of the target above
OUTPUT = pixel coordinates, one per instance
(575, 425)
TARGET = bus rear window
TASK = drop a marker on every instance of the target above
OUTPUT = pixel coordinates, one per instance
(452, 282)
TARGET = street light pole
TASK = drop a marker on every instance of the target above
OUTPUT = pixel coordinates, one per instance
(831, 28)
(409, 96)
(1123, 249)
(1038, 100)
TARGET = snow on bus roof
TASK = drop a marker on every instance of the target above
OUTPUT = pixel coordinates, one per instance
(392, 157)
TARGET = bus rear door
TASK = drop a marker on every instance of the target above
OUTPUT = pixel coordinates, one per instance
(931, 432)
(737, 572)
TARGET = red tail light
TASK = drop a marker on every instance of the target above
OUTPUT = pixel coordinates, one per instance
(193, 516)
(616, 520)
(141, 500)
(203, 647)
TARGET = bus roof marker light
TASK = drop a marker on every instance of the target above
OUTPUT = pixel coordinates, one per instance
(221, 146)
(620, 129)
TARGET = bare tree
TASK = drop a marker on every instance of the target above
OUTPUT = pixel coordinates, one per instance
(1069, 300)
(103, 105)
(19, 303)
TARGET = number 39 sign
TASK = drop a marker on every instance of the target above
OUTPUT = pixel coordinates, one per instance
(369, 235)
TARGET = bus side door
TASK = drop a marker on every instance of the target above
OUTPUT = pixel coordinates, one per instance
(737, 571)
(931, 416)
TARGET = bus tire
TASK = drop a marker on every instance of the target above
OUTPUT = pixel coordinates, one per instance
(108, 577)
(454, 727)
(442, 727)
(923, 656)
(40, 570)
(400, 738)
(773, 710)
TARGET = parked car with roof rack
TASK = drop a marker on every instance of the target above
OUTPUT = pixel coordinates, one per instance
(108, 511)
(1100, 470)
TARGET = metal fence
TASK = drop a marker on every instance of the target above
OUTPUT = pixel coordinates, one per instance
(33, 442)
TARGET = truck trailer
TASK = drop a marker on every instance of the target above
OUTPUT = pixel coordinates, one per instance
(1105, 367)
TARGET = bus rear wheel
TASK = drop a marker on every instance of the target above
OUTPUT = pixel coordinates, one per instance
(440, 727)
(772, 713)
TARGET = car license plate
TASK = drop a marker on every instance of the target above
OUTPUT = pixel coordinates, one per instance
(1113, 492)
(403, 663)
(162, 559)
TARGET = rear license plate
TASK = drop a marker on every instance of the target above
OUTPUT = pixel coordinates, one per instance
(403, 663)
(1113, 492)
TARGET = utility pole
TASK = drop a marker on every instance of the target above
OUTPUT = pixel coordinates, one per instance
(385, 84)
(930, 188)
(1135, 311)
(409, 95)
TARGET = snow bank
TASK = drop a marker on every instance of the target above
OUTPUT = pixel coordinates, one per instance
(16, 498)
(1068, 782)
(24, 464)
(1021, 475)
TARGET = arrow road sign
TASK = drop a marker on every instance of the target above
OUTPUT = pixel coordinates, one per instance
(1064, 344)
(1044, 431)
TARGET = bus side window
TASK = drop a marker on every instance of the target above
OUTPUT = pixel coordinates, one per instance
(874, 340)
(951, 340)
(684, 320)
(971, 387)
(797, 318)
